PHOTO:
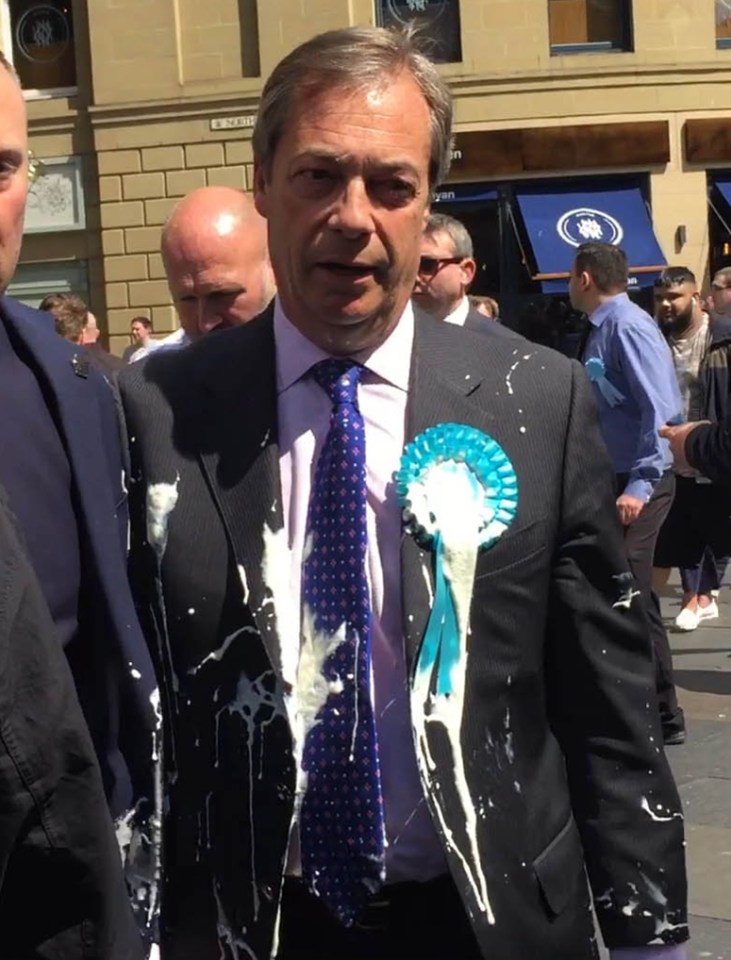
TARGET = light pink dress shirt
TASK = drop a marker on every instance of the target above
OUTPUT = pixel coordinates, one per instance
(414, 851)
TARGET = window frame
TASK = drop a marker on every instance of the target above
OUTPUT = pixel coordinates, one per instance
(626, 44)
(6, 45)
(722, 43)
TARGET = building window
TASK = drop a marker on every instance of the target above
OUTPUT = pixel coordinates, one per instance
(589, 26)
(438, 22)
(723, 23)
(34, 281)
(41, 42)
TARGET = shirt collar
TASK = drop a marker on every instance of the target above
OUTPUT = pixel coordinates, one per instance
(458, 316)
(601, 313)
(295, 354)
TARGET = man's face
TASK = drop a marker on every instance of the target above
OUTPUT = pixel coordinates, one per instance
(346, 199)
(139, 331)
(675, 305)
(442, 282)
(13, 175)
(721, 298)
(221, 281)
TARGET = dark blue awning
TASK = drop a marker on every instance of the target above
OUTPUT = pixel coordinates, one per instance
(724, 187)
(464, 193)
(558, 220)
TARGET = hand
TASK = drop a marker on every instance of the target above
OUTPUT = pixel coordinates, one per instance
(677, 437)
(629, 508)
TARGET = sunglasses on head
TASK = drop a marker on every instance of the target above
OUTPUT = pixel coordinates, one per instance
(428, 266)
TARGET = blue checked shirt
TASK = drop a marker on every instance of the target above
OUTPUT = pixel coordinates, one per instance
(637, 363)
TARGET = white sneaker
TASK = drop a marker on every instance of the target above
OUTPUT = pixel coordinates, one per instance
(709, 612)
(688, 619)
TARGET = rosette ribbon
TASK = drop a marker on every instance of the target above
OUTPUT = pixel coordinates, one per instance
(597, 373)
(459, 493)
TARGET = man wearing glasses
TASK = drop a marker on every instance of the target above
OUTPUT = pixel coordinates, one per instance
(719, 302)
(446, 270)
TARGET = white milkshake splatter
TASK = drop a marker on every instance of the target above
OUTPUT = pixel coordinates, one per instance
(162, 499)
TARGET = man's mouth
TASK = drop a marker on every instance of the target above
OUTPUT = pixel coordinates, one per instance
(353, 271)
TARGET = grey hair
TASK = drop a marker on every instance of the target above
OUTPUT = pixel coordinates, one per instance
(723, 276)
(354, 58)
(455, 229)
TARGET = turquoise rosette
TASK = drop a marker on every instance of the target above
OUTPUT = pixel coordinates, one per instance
(459, 493)
(597, 373)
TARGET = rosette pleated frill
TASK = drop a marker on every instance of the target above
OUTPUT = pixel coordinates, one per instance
(459, 493)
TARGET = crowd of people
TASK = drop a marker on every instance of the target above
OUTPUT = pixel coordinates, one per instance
(335, 635)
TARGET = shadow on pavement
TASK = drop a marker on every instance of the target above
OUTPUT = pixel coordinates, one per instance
(704, 681)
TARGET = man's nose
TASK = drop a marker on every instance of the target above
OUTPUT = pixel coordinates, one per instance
(353, 211)
(208, 317)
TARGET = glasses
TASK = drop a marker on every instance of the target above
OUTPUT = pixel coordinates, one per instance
(430, 266)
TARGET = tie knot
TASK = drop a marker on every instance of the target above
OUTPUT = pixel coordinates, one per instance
(338, 377)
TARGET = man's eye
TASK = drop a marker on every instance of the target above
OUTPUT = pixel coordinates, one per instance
(315, 175)
(225, 294)
(395, 190)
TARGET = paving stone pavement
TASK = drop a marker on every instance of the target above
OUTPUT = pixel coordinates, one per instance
(702, 768)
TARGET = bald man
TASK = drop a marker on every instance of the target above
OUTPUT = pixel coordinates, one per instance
(214, 249)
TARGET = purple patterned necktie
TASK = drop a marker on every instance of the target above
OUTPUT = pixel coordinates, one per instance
(341, 821)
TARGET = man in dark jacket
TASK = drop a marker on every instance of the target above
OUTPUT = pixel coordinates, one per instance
(704, 446)
(696, 535)
(62, 469)
(57, 845)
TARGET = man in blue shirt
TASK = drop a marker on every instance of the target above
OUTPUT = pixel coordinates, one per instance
(631, 369)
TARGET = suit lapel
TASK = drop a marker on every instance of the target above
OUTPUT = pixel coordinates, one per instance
(239, 454)
(442, 377)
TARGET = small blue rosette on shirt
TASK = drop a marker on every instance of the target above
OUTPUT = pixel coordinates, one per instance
(459, 493)
(597, 373)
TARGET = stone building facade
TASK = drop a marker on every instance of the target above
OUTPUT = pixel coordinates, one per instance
(159, 97)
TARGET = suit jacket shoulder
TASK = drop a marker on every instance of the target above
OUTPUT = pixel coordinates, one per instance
(476, 322)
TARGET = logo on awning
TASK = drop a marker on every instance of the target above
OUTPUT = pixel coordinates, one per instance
(585, 224)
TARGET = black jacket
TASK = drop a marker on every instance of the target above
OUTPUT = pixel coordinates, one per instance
(110, 662)
(61, 891)
(715, 371)
(560, 730)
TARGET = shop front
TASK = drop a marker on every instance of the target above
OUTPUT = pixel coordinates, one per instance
(526, 234)
(526, 227)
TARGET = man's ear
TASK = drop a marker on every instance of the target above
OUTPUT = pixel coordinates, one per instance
(260, 188)
(585, 279)
(469, 269)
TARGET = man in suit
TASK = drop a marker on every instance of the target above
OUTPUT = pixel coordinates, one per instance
(62, 467)
(329, 796)
(109, 363)
(446, 271)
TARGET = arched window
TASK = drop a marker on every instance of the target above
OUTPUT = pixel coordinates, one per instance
(438, 21)
(38, 36)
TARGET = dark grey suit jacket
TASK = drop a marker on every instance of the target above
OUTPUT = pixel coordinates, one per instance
(479, 324)
(561, 738)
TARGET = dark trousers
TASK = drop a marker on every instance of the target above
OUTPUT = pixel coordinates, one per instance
(406, 921)
(639, 542)
(696, 536)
